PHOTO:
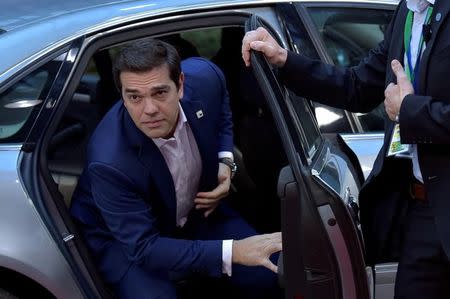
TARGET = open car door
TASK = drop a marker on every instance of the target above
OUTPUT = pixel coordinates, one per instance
(322, 245)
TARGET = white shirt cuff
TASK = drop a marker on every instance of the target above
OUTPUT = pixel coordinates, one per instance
(226, 155)
(227, 248)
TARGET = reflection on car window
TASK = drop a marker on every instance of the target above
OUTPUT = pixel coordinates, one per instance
(304, 117)
(348, 35)
(20, 103)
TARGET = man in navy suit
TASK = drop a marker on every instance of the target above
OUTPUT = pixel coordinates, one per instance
(405, 203)
(148, 201)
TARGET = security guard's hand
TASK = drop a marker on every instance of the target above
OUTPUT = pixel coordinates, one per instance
(395, 93)
(260, 40)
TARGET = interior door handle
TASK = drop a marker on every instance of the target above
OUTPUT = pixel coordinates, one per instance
(352, 205)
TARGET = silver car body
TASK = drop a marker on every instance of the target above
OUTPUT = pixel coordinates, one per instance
(33, 30)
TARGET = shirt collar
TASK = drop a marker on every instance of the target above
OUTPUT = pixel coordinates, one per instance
(160, 142)
(418, 5)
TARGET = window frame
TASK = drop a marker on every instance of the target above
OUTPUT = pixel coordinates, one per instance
(304, 14)
(22, 136)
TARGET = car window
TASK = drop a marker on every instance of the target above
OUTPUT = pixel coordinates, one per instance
(348, 34)
(304, 118)
(206, 41)
(20, 103)
(329, 119)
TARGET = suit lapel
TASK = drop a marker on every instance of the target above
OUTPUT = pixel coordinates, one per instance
(198, 121)
(152, 159)
(396, 51)
(440, 12)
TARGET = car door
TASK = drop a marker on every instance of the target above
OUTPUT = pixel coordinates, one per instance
(343, 34)
(322, 245)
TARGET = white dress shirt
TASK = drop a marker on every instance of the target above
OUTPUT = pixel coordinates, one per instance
(419, 7)
(185, 165)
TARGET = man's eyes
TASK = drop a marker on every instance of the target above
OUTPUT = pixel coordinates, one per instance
(160, 93)
(134, 97)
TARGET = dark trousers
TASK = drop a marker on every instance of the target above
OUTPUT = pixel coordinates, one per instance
(424, 268)
(245, 282)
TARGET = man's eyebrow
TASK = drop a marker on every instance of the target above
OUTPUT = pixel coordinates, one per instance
(131, 90)
(160, 87)
(153, 89)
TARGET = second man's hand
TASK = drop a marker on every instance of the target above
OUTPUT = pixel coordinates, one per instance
(260, 40)
(394, 94)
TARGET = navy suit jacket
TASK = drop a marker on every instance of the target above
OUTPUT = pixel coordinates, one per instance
(125, 202)
(424, 120)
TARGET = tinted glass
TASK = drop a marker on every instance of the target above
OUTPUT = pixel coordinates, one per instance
(348, 35)
(329, 119)
(20, 103)
(304, 117)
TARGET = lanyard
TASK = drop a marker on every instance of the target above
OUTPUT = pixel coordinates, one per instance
(413, 71)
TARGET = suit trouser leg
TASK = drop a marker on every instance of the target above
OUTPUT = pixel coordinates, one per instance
(424, 268)
(246, 282)
(138, 283)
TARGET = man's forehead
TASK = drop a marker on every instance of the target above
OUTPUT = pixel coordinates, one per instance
(155, 78)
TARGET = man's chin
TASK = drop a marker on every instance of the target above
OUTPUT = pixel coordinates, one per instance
(156, 133)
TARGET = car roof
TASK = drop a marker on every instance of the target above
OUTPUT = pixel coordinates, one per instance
(28, 27)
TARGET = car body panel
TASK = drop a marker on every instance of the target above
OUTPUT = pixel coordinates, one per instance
(35, 32)
(366, 147)
(29, 249)
(53, 26)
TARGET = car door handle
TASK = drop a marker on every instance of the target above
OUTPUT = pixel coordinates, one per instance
(352, 206)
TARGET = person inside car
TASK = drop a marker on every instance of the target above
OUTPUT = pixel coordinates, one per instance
(149, 200)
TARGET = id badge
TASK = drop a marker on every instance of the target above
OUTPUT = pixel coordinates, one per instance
(395, 146)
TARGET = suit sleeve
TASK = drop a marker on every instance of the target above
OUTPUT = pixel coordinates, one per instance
(131, 221)
(225, 125)
(424, 119)
(357, 89)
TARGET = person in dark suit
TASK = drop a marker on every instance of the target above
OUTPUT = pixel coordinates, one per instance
(405, 203)
(148, 202)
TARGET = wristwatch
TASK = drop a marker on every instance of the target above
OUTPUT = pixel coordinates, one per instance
(230, 163)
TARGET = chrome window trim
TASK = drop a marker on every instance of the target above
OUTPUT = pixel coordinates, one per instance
(11, 147)
(361, 136)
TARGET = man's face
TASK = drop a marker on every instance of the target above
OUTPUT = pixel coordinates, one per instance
(151, 99)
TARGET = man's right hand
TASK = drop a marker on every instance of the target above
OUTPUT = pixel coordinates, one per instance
(256, 250)
(260, 40)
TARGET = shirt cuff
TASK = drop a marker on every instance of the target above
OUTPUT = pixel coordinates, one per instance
(226, 155)
(227, 248)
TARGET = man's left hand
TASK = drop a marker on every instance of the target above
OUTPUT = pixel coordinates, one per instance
(210, 200)
(395, 93)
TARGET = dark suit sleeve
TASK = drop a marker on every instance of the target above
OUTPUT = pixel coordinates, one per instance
(131, 221)
(357, 89)
(424, 119)
(225, 125)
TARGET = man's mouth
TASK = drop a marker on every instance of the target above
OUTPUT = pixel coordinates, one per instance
(153, 123)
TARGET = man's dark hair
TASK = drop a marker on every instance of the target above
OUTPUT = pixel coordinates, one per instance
(145, 55)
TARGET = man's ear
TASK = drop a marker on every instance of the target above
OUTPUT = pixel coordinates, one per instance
(181, 86)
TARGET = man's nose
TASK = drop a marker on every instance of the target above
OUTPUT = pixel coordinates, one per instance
(150, 106)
